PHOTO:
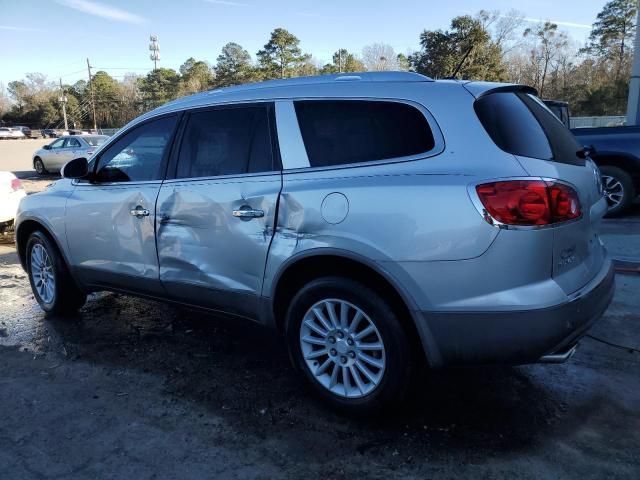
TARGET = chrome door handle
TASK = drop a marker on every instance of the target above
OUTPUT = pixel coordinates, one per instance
(247, 212)
(139, 212)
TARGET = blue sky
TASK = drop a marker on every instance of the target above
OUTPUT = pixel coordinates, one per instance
(55, 37)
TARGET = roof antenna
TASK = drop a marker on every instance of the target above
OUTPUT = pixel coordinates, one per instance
(455, 72)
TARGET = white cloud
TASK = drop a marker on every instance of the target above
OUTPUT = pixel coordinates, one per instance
(228, 3)
(101, 10)
(17, 29)
(557, 22)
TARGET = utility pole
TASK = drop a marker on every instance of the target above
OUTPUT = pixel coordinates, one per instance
(63, 100)
(633, 103)
(93, 102)
(339, 60)
(154, 48)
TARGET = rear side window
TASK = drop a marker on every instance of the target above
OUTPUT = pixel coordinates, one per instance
(229, 141)
(520, 124)
(338, 132)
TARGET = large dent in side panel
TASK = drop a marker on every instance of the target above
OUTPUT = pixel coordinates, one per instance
(391, 217)
(199, 242)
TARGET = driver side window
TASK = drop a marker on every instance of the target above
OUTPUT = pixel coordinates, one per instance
(137, 156)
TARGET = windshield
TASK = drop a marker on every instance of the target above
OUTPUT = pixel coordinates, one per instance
(95, 141)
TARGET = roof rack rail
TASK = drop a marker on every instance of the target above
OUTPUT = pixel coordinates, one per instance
(320, 79)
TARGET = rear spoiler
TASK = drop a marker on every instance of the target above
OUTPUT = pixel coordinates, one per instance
(480, 89)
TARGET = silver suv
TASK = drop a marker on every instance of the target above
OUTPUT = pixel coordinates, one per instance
(378, 220)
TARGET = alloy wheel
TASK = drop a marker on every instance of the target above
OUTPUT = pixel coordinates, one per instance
(342, 348)
(613, 191)
(42, 273)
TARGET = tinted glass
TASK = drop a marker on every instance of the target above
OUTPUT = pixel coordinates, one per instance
(138, 155)
(228, 141)
(339, 132)
(512, 126)
(563, 144)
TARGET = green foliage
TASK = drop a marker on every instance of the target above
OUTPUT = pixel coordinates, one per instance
(281, 56)
(196, 76)
(443, 51)
(158, 87)
(613, 32)
(234, 66)
(594, 82)
(343, 61)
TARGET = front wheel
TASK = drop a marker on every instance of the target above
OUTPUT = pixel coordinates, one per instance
(618, 189)
(52, 285)
(349, 344)
(38, 166)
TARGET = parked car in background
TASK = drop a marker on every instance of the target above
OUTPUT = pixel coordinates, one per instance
(10, 133)
(25, 130)
(379, 220)
(616, 151)
(11, 192)
(52, 157)
(50, 133)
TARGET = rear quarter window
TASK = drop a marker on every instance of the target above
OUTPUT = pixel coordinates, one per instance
(520, 124)
(340, 132)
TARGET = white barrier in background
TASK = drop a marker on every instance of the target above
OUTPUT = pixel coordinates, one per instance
(590, 122)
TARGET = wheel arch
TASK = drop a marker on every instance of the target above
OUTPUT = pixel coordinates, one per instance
(625, 161)
(24, 231)
(304, 267)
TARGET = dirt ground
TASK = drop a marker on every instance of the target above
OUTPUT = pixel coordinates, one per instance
(136, 389)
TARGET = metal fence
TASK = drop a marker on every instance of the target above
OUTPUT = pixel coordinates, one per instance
(585, 122)
(107, 131)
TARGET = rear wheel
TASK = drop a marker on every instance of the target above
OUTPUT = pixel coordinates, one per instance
(38, 166)
(618, 189)
(349, 344)
(51, 283)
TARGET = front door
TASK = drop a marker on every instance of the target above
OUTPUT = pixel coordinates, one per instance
(110, 222)
(216, 216)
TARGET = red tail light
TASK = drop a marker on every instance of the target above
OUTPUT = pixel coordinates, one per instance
(529, 202)
(16, 184)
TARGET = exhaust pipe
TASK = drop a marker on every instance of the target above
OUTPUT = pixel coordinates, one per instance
(559, 357)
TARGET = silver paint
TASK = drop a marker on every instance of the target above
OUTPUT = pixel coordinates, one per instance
(410, 219)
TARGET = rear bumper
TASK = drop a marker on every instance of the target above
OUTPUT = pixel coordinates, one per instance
(525, 336)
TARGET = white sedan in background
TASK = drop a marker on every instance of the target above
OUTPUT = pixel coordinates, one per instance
(11, 192)
(52, 157)
(11, 133)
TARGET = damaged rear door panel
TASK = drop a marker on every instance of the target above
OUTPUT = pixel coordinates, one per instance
(216, 216)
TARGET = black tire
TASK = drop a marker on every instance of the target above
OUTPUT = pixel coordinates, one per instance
(67, 297)
(396, 377)
(628, 191)
(38, 166)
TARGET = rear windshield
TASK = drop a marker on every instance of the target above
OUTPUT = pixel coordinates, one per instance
(520, 124)
(95, 141)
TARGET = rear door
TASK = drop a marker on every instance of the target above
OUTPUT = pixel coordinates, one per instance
(217, 214)
(68, 152)
(521, 124)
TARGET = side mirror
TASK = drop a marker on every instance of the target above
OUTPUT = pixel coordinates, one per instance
(76, 168)
(47, 147)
